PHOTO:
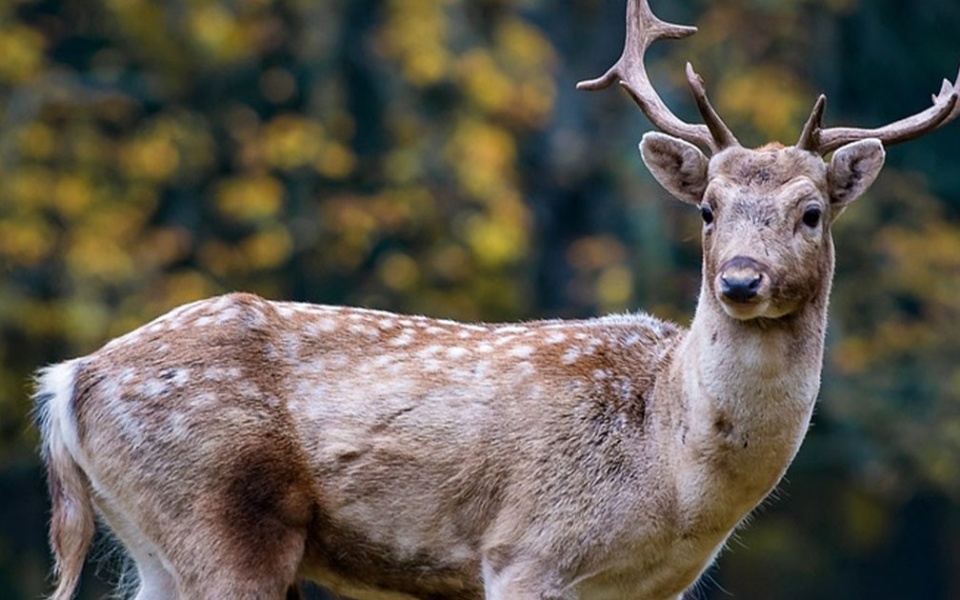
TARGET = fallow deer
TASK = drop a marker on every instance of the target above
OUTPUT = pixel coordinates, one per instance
(236, 446)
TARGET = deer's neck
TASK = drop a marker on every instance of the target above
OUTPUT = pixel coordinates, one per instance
(748, 389)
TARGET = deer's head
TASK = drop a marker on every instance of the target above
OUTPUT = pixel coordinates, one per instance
(766, 212)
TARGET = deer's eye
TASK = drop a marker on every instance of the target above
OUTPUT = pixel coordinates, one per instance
(706, 214)
(811, 216)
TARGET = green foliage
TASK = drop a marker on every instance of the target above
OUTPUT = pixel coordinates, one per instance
(430, 156)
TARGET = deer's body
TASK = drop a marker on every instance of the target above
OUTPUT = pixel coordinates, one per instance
(401, 453)
(236, 446)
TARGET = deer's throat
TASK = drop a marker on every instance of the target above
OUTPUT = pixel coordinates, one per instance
(748, 390)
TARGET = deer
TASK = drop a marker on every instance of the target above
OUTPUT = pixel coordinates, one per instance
(237, 446)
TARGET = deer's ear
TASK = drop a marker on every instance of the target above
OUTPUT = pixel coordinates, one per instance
(679, 166)
(852, 169)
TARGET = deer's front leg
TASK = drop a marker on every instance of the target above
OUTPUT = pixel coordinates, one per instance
(522, 580)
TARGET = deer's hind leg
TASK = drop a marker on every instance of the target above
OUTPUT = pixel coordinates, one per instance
(243, 539)
(250, 530)
(267, 572)
(155, 581)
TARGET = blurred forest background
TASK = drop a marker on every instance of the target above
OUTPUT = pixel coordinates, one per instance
(432, 156)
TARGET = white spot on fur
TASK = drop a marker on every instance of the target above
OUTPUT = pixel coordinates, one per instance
(226, 315)
(479, 370)
(571, 355)
(522, 351)
(153, 388)
(623, 388)
(555, 337)
(461, 553)
(364, 330)
(220, 303)
(202, 400)
(126, 375)
(178, 424)
(396, 368)
(291, 345)
(180, 377)
(485, 348)
(430, 350)
(156, 328)
(404, 339)
(383, 360)
(456, 352)
(221, 374)
(254, 317)
(130, 426)
(204, 321)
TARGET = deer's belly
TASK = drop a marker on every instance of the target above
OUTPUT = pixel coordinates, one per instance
(377, 584)
(355, 563)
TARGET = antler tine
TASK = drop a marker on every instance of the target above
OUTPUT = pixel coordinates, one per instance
(718, 129)
(810, 136)
(946, 107)
(643, 29)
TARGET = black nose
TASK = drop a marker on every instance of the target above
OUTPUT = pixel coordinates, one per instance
(740, 289)
(741, 279)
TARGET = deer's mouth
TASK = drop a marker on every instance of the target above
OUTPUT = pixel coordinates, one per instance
(745, 311)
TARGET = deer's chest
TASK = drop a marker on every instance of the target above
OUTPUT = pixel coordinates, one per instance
(659, 573)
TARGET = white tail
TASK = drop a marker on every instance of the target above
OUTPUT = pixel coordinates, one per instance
(72, 524)
(236, 446)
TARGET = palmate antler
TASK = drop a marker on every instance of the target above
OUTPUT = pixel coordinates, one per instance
(644, 28)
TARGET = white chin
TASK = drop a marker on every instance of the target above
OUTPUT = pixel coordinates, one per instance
(745, 311)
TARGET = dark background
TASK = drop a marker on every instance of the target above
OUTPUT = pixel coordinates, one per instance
(432, 156)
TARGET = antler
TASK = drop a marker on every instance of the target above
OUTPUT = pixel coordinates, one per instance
(643, 29)
(946, 107)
